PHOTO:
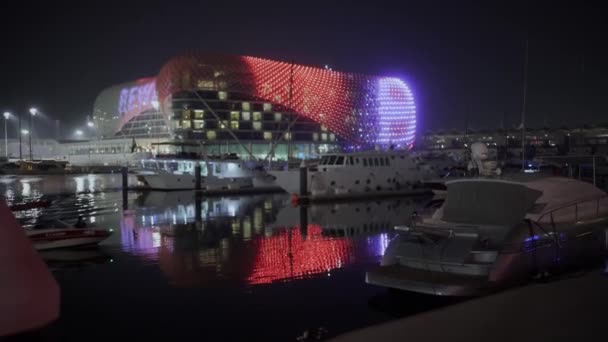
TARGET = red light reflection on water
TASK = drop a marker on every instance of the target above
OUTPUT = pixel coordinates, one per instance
(289, 255)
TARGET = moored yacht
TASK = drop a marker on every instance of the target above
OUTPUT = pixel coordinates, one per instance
(177, 169)
(490, 233)
(360, 174)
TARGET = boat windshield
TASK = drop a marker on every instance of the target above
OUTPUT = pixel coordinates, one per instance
(488, 202)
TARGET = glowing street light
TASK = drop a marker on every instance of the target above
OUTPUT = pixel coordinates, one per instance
(25, 132)
(33, 112)
(7, 115)
(90, 124)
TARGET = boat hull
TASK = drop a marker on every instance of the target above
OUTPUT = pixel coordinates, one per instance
(45, 239)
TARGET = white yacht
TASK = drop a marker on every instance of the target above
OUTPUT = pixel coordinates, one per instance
(175, 170)
(490, 233)
(360, 174)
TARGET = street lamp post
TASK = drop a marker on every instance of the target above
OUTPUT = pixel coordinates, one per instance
(33, 112)
(7, 115)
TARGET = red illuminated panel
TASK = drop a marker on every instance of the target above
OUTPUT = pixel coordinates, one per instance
(280, 257)
(362, 110)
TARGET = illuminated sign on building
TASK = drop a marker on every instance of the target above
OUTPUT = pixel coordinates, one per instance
(137, 98)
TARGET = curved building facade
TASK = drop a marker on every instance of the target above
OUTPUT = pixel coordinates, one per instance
(243, 102)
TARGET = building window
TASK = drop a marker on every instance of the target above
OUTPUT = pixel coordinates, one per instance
(324, 136)
(277, 116)
(223, 124)
(199, 124)
(267, 136)
(186, 124)
(257, 126)
(234, 115)
(211, 135)
(267, 107)
(198, 113)
(287, 135)
(186, 114)
(222, 95)
(246, 106)
(257, 116)
(315, 137)
(324, 128)
(246, 116)
(234, 125)
(376, 162)
(332, 137)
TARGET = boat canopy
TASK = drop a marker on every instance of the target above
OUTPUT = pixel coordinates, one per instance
(488, 201)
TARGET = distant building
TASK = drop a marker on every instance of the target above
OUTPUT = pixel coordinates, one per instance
(221, 99)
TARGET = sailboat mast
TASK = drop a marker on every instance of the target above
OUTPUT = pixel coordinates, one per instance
(523, 112)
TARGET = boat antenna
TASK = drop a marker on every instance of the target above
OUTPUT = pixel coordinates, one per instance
(523, 112)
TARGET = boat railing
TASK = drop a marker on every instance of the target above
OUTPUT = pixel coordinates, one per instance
(588, 208)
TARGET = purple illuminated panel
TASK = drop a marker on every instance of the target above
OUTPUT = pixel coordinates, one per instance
(396, 113)
(137, 99)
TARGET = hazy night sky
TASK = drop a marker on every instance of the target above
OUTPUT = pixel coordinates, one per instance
(458, 56)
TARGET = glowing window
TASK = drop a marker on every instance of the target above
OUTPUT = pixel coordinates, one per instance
(234, 115)
(199, 124)
(267, 107)
(267, 136)
(324, 136)
(257, 126)
(223, 124)
(324, 128)
(234, 125)
(246, 116)
(186, 124)
(277, 116)
(257, 116)
(198, 113)
(246, 106)
(287, 135)
(211, 135)
(315, 137)
(222, 95)
(186, 115)
(332, 137)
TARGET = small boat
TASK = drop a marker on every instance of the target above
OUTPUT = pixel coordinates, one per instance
(30, 205)
(67, 237)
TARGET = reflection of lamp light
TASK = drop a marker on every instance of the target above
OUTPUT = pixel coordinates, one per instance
(78, 132)
(90, 124)
(25, 132)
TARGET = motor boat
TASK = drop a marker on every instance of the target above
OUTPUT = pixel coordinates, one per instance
(66, 236)
(490, 233)
(359, 174)
(218, 173)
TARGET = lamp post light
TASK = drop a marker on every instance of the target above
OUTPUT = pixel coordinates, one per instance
(90, 124)
(33, 112)
(7, 115)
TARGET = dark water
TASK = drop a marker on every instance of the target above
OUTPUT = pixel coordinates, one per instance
(221, 268)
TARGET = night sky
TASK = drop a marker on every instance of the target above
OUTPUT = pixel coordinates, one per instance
(461, 58)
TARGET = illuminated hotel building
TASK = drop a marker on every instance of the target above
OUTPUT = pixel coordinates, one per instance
(235, 104)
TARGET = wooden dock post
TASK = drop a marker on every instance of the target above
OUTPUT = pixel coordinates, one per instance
(197, 177)
(125, 187)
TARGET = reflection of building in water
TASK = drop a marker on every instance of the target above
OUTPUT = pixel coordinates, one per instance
(288, 255)
(234, 242)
